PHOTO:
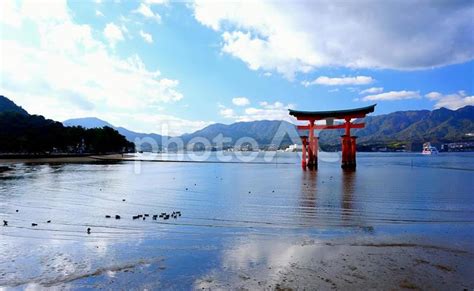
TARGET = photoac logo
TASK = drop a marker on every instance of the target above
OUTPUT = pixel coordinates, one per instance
(223, 149)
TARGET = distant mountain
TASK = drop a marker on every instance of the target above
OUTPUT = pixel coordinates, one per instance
(87, 122)
(438, 126)
(265, 132)
(93, 122)
(6, 105)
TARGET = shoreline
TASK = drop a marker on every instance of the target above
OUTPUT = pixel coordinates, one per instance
(62, 159)
(111, 158)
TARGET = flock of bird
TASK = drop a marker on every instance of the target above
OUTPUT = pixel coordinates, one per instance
(163, 215)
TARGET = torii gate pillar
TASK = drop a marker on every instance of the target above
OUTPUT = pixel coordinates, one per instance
(348, 147)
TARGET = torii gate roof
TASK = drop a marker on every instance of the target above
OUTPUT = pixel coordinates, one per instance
(336, 114)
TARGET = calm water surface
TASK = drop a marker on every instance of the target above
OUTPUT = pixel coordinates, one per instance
(233, 215)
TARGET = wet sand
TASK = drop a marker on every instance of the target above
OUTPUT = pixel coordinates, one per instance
(365, 264)
(305, 264)
(352, 263)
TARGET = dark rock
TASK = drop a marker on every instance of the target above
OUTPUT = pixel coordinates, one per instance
(88, 230)
(49, 221)
(34, 224)
(5, 223)
(117, 216)
(107, 216)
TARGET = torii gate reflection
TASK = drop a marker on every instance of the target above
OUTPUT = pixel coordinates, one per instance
(310, 142)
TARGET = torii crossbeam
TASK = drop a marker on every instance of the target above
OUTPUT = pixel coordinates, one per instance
(310, 143)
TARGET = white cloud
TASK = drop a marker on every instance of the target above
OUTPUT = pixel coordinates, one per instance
(146, 11)
(156, 123)
(113, 33)
(156, 2)
(257, 54)
(227, 112)
(393, 95)
(99, 13)
(298, 36)
(146, 36)
(9, 15)
(434, 95)
(240, 101)
(373, 90)
(451, 101)
(265, 111)
(342, 81)
(70, 73)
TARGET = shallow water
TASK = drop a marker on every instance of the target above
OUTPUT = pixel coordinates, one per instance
(234, 216)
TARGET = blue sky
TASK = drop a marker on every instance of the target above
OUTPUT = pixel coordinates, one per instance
(155, 65)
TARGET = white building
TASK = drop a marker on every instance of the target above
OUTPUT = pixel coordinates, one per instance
(294, 148)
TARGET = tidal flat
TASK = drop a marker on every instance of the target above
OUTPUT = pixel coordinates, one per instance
(400, 221)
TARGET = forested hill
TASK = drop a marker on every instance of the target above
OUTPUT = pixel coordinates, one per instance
(440, 125)
(6, 105)
(21, 132)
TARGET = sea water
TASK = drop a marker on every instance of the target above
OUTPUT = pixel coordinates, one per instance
(233, 215)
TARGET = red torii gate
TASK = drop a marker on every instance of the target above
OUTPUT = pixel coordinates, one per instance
(310, 143)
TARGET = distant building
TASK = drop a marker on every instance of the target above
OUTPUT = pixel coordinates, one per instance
(294, 148)
(459, 147)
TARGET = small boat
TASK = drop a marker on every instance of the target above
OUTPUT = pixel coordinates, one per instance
(428, 149)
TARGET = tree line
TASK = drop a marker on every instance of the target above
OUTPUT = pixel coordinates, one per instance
(24, 133)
